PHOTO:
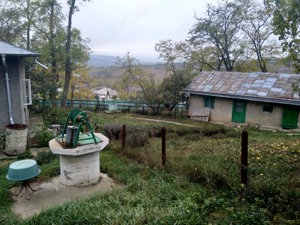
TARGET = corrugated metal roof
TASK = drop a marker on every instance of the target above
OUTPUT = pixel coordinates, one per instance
(266, 87)
(9, 50)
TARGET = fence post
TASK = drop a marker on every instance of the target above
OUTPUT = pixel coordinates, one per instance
(123, 136)
(244, 158)
(163, 145)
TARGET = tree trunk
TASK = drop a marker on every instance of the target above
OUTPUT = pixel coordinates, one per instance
(261, 62)
(68, 69)
(54, 73)
(28, 25)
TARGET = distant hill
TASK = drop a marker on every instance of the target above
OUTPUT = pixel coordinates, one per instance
(115, 73)
(102, 61)
(110, 61)
(103, 66)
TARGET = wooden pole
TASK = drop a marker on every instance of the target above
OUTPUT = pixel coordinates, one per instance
(123, 136)
(163, 145)
(244, 158)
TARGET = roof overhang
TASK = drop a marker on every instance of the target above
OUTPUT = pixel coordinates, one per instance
(11, 50)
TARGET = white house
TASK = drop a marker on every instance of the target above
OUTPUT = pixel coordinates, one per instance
(105, 94)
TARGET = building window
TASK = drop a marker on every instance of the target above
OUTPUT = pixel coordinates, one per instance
(268, 108)
(209, 102)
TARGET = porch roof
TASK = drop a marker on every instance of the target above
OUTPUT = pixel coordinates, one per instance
(255, 86)
(11, 50)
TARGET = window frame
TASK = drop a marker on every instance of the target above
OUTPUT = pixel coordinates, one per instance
(209, 102)
(268, 108)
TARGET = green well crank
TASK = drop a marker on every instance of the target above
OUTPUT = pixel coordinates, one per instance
(76, 122)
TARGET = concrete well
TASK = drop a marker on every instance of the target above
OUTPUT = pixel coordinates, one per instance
(79, 166)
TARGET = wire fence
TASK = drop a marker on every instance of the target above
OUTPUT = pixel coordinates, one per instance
(109, 106)
(211, 159)
(223, 159)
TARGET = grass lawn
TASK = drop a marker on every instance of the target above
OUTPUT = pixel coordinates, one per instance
(199, 184)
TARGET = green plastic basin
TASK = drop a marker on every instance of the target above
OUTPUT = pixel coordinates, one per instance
(23, 170)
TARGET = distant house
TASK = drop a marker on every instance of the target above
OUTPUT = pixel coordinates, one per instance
(263, 99)
(105, 94)
(14, 88)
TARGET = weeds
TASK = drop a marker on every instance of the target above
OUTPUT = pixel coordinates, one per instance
(199, 184)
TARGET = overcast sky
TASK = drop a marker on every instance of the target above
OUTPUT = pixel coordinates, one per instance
(116, 27)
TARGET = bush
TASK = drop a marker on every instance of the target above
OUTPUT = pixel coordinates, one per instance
(187, 130)
(55, 116)
(43, 137)
(137, 138)
(209, 131)
(112, 131)
(45, 157)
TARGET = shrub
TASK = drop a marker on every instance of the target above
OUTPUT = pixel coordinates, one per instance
(43, 137)
(154, 131)
(212, 129)
(55, 116)
(187, 130)
(45, 157)
(137, 138)
(112, 131)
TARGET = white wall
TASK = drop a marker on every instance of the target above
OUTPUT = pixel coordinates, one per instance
(222, 112)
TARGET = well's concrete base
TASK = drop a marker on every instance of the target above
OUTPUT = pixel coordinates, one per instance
(80, 170)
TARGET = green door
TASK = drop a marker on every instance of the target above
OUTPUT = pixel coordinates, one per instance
(239, 111)
(289, 118)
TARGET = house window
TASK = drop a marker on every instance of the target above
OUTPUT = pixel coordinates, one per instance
(268, 108)
(27, 92)
(209, 102)
(240, 106)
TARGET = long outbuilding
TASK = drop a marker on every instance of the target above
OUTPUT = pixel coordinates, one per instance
(261, 99)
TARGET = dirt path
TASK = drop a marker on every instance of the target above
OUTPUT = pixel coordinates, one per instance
(166, 121)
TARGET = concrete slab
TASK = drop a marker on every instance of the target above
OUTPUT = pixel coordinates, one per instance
(54, 193)
(3, 156)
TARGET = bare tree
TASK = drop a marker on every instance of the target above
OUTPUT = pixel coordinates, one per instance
(257, 27)
(135, 75)
(220, 29)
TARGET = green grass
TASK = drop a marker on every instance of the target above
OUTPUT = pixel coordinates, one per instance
(198, 185)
